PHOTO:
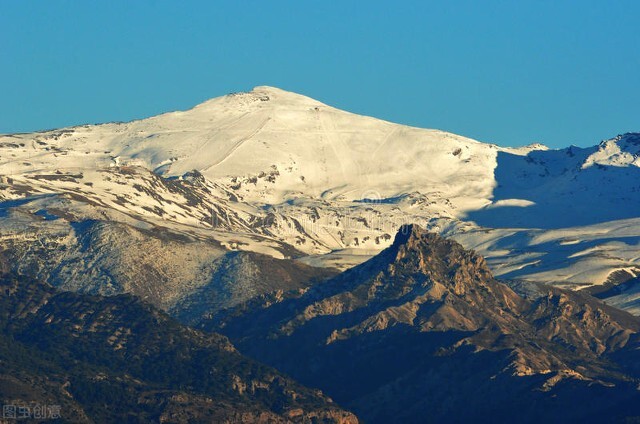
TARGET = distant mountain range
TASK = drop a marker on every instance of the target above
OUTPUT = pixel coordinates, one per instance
(280, 174)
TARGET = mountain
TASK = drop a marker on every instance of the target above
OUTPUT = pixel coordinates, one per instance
(185, 275)
(240, 277)
(423, 332)
(279, 174)
(117, 359)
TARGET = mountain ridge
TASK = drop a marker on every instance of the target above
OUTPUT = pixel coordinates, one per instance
(293, 178)
(425, 311)
(107, 359)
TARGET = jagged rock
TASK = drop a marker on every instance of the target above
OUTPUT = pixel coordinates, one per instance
(388, 336)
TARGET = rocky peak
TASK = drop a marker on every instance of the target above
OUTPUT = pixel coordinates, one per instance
(385, 337)
(416, 250)
(620, 151)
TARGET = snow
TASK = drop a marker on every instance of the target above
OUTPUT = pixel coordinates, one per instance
(289, 176)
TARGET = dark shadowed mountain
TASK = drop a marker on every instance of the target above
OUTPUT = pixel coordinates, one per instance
(424, 333)
(117, 359)
(568, 187)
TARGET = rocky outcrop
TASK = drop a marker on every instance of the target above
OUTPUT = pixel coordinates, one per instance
(424, 330)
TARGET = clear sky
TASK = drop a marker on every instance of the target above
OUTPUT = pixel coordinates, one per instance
(507, 72)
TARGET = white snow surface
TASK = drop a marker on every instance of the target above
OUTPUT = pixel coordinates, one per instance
(286, 175)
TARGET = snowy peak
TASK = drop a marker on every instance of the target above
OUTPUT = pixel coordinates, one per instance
(280, 96)
(315, 149)
(302, 145)
(283, 174)
(259, 98)
(621, 151)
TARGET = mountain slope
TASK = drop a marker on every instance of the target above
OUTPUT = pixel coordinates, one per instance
(332, 149)
(117, 359)
(424, 330)
(277, 173)
(177, 272)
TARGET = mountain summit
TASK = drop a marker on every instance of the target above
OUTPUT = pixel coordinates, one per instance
(426, 315)
(277, 173)
(260, 97)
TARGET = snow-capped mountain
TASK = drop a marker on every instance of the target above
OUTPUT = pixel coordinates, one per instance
(281, 174)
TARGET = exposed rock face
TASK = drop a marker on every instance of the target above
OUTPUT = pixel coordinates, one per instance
(117, 359)
(424, 331)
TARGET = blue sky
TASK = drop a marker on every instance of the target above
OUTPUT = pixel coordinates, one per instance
(508, 72)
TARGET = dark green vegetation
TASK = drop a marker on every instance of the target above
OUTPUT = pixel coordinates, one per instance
(117, 359)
